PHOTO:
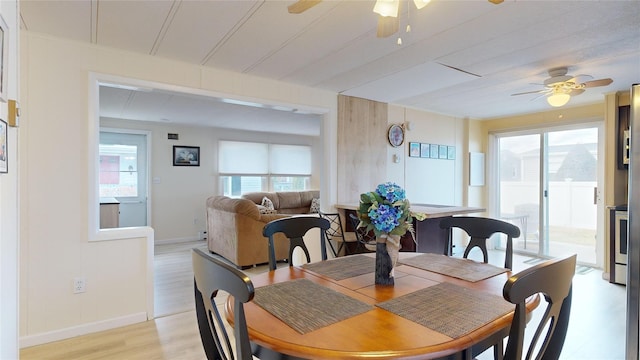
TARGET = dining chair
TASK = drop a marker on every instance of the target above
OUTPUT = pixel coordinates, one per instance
(212, 274)
(366, 240)
(335, 233)
(294, 228)
(552, 279)
(480, 229)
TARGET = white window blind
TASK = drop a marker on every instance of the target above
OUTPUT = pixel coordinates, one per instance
(290, 160)
(235, 157)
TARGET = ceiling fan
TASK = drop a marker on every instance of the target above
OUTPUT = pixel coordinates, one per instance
(387, 10)
(559, 87)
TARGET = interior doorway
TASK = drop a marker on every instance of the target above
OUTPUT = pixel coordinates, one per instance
(123, 175)
(548, 186)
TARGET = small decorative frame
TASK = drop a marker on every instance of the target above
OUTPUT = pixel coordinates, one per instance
(451, 152)
(414, 149)
(4, 49)
(442, 151)
(395, 135)
(186, 155)
(424, 150)
(4, 158)
(433, 151)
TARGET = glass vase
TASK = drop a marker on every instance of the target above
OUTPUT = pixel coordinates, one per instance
(387, 251)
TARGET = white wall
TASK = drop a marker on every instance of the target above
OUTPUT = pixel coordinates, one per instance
(55, 190)
(178, 201)
(429, 181)
(9, 198)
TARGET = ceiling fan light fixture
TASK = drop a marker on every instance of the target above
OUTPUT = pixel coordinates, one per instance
(387, 7)
(421, 3)
(558, 99)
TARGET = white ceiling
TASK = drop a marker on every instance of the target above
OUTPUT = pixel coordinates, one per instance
(502, 49)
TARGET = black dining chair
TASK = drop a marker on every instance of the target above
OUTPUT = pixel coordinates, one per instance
(294, 228)
(366, 240)
(480, 229)
(212, 274)
(335, 233)
(553, 279)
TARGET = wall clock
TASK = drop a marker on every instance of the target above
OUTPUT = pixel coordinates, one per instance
(396, 135)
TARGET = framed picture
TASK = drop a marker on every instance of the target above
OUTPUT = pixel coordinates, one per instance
(4, 39)
(4, 168)
(186, 155)
(433, 151)
(442, 151)
(451, 152)
(414, 149)
(395, 135)
(424, 150)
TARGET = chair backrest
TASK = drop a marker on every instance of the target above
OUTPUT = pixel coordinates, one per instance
(211, 273)
(480, 229)
(295, 228)
(366, 240)
(553, 280)
(335, 232)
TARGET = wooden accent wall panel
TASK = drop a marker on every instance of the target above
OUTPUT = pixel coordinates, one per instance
(362, 146)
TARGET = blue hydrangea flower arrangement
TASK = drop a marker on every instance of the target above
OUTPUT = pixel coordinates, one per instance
(387, 211)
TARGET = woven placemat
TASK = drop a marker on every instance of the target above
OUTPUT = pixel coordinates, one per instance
(464, 269)
(449, 309)
(343, 267)
(306, 306)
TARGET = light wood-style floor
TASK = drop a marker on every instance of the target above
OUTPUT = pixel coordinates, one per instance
(596, 329)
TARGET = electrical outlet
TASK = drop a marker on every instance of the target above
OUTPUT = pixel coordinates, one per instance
(79, 285)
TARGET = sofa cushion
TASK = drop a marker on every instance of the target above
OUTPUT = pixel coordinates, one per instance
(265, 210)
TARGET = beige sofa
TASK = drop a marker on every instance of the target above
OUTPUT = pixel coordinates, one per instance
(234, 226)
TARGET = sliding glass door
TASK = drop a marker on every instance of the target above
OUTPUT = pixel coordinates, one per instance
(547, 186)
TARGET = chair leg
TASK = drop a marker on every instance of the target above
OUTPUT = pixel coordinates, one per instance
(498, 351)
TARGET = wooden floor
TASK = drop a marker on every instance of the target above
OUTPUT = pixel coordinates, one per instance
(596, 329)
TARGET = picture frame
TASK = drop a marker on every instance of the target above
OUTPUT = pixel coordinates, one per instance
(414, 149)
(4, 157)
(395, 135)
(442, 151)
(424, 150)
(433, 151)
(4, 49)
(451, 152)
(186, 155)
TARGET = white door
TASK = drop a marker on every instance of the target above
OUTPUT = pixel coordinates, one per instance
(123, 175)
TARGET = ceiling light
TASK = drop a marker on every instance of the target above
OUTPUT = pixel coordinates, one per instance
(558, 99)
(387, 7)
(421, 3)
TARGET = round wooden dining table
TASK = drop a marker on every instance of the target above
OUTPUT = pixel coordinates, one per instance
(427, 314)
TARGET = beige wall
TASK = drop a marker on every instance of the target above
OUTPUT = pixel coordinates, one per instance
(58, 125)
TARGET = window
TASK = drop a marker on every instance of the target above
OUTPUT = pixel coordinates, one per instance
(118, 170)
(246, 167)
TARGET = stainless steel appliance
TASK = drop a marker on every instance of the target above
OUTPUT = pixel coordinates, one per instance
(633, 245)
(620, 247)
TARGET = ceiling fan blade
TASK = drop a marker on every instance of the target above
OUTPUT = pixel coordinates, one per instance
(575, 92)
(596, 83)
(532, 92)
(387, 26)
(302, 6)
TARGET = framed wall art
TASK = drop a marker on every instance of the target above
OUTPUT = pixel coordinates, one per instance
(424, 150)
(4, 168)
(433, 150)
(4, 46)
(414, 149)
(186, 155)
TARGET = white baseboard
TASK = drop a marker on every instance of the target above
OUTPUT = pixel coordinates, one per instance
(84, 329)
(177, 240)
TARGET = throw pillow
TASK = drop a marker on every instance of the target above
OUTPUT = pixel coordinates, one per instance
(264, 210)
(266, 202)
(315, 206)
